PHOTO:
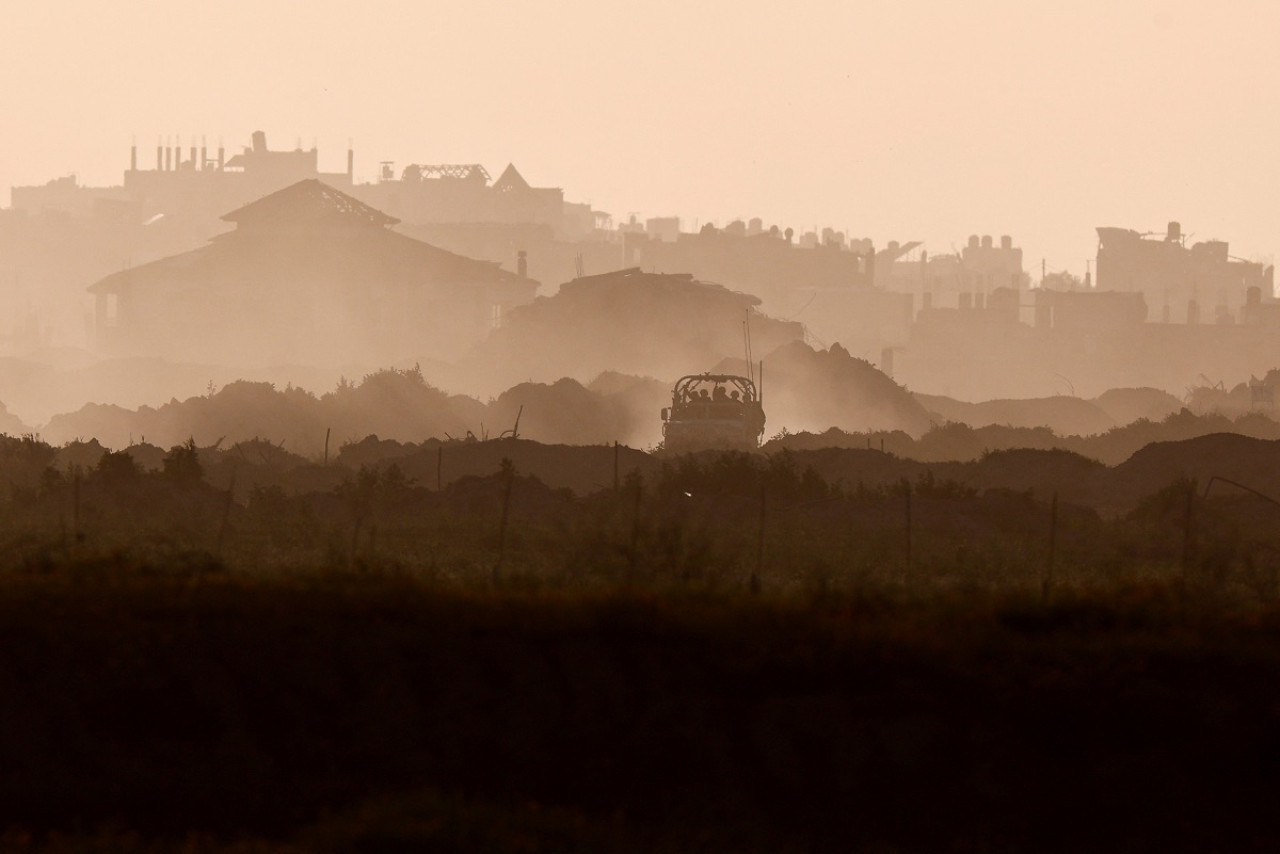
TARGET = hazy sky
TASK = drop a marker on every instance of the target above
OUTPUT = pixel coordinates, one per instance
(906, 120)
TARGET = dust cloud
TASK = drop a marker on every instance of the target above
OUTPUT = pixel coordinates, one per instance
(251, 294)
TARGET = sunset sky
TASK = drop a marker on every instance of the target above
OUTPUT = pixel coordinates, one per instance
(904, 120)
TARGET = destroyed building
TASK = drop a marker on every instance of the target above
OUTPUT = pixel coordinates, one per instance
(826, 284)
(464, 193)
(760, 262)
(941, 279)
(1200, 283)
(164, 206)
(195, 184)
(629, 321)
(310, 275)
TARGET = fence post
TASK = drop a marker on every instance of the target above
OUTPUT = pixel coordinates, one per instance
(1053, 542)
(509, 469)
(226, 513)
(76, 536)
(635, 533)
(764, 509)
(1187, 540)
(906, 490)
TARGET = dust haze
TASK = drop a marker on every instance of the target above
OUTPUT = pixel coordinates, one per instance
(206, 266)
(737, 422)
(1038, 205)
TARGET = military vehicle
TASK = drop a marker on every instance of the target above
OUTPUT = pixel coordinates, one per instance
(713, 412)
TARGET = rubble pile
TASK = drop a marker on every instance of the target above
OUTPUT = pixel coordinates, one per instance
(631, 322)
(393, 404)
(811, 390)
(639, 400)
(1066, 416)
(1127, 405)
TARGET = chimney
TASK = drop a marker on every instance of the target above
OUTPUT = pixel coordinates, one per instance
(194, 163)
(159, 158)
(221, 159)
(522, 264)
(133, 158)
(1006, 242)
(168, 158)
(351, 164)
(204, 155)
(259, 141)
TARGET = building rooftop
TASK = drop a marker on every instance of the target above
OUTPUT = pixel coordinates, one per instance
(310, 202)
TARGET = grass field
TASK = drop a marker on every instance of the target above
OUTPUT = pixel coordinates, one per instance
(731, 655)
(348, 711)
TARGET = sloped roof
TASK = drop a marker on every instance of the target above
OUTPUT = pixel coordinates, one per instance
(362, 254)
(309, 202)
(510, 180)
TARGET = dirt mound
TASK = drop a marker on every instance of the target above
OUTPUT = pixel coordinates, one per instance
(562, 413)
(1246, 460)
(11, 425)
(581, 469)
(372, 451)
(812, 390)
(1126, 405)
(955, 441)
(393, 403)
(640, 399)
(1042, 471)
(1066, 416)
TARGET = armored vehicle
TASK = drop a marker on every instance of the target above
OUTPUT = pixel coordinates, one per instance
(713, 411)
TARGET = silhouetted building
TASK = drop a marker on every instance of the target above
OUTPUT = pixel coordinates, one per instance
(760, 263)
(1199, 284)
(65, 195)
(463, 194)
(1088, 311)
(192, 185)
(309, 274)
(978, 269)
(630, 321)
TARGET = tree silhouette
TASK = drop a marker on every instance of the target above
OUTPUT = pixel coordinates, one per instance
(182, 464)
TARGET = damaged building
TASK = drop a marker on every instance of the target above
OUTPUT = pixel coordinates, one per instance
(629, 321)
(1200, 283)
(946, 279)
(308, 274)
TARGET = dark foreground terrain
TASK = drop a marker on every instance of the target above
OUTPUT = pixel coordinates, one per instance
(371, 713)
(826, 650)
